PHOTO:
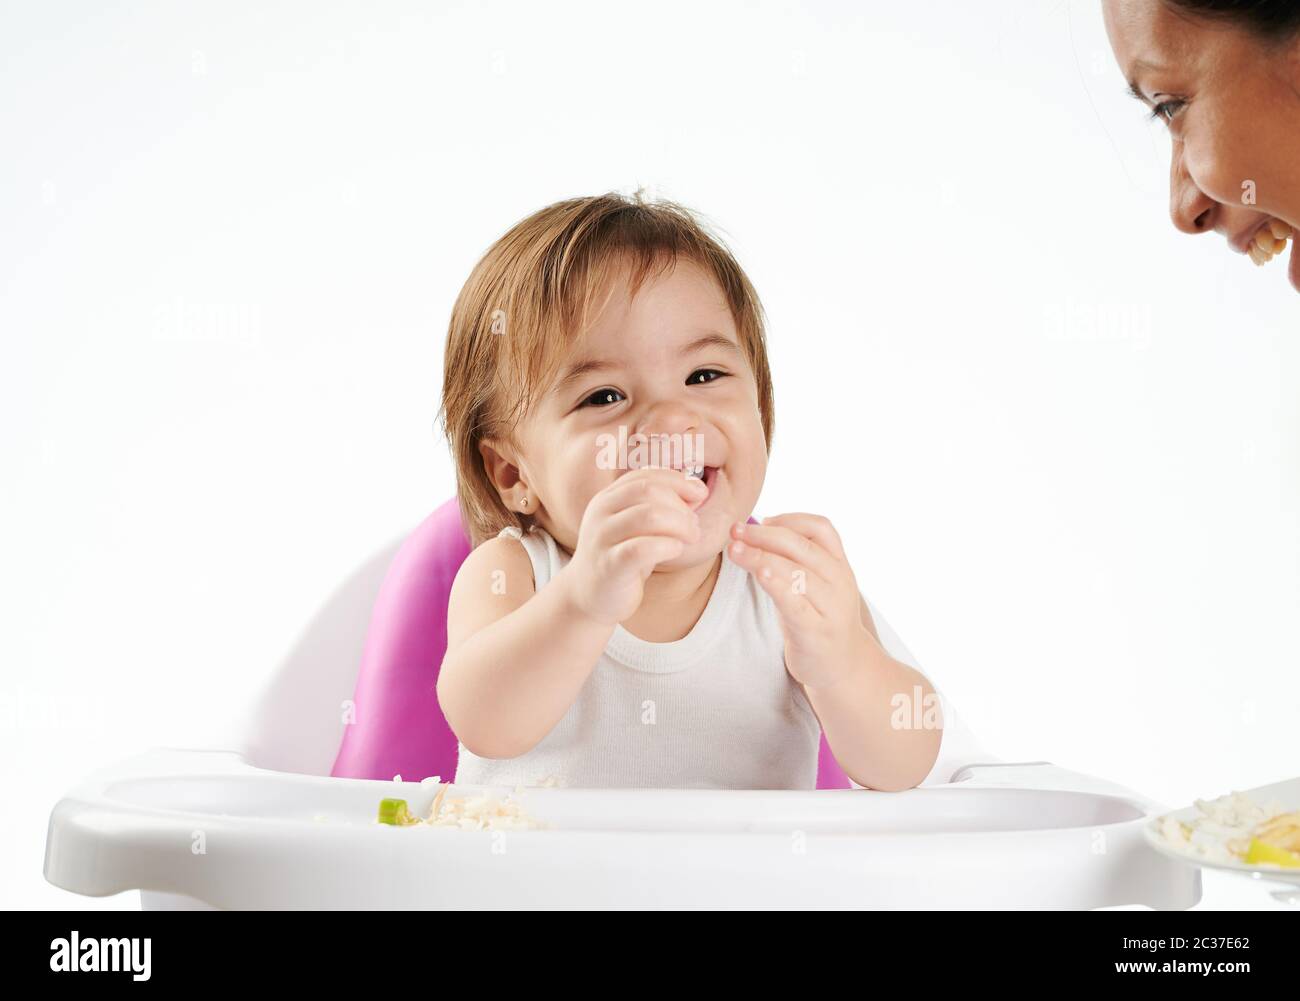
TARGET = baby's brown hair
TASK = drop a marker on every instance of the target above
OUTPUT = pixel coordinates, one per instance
(531, 298)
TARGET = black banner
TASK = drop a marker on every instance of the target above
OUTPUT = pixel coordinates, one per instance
(393, 949)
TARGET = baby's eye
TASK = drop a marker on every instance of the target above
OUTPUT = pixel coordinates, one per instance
(601, 398)
(604, 397)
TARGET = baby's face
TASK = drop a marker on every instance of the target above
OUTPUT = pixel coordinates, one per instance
(667, 364)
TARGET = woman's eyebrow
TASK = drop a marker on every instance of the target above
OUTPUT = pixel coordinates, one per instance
(711, 339)
(1135, 92)
(1133, 89)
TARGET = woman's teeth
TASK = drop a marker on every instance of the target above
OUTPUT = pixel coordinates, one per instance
(696, 471)
(1269, 241)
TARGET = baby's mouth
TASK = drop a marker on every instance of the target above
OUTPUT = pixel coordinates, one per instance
(709, 474)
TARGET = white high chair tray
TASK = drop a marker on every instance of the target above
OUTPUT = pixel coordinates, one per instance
(193, 828)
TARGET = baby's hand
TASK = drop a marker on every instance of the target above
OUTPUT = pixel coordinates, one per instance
(798, 560)
(645, 517)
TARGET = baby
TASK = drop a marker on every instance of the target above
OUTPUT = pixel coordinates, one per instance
(609, 407)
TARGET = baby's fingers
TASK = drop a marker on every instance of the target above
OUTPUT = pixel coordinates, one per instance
(812, 526)
(644, 553)
(642, 484)
(798, 548)
(786, 582)
(657, 517)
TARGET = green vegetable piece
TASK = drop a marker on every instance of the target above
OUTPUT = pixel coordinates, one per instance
(395, 812)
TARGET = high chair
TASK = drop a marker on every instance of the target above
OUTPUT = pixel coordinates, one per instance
(281, 814)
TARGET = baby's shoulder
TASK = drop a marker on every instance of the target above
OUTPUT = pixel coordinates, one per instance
(495, 579)
(502, 562)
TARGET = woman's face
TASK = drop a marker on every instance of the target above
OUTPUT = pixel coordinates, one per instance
(667, 363)
(1232, 106)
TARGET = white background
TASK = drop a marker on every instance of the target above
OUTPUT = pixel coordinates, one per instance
(1059, 438)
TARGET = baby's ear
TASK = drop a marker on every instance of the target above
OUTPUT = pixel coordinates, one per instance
(498, 463)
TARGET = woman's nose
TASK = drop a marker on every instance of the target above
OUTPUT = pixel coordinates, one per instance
(1191, 209)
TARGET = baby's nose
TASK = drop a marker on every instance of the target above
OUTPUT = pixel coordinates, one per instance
(674, 450)
(669, 415)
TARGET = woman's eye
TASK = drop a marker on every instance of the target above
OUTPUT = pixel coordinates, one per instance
(704, 371)
(601, 398)
(1166, 110)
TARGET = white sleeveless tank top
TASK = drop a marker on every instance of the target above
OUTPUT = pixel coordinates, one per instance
(715, 709)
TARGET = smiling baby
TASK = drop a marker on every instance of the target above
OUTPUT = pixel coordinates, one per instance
(609, 407)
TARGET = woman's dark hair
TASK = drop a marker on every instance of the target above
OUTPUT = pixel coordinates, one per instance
(1270, 20)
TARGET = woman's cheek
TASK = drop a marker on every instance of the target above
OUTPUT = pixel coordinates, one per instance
(1223, 160)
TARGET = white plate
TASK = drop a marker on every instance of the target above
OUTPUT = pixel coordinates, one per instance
(1286, 792)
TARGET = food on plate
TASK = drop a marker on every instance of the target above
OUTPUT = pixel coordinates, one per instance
(1262, 851)
(1233, 828)
(483, 812)
(396, 812)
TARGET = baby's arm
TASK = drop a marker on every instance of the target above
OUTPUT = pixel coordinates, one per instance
(516, 660)
(832, 650)
(858, 715)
